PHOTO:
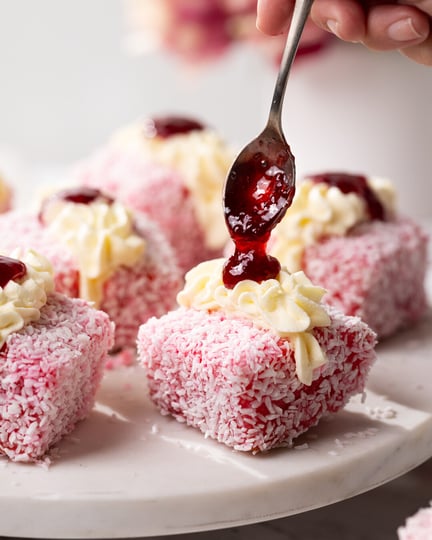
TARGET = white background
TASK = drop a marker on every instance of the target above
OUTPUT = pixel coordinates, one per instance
(67, 82)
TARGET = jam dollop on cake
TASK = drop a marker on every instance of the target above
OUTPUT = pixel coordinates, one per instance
(83, 195)
(353, 183)
(257, 196)
(77, 195)
(346, 229)
(173, 169)
(52, 352)
(11, 270)
(169, 126)
(327, 205)
(25, 283)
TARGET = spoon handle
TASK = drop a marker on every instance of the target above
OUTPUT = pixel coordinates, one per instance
(300, 15)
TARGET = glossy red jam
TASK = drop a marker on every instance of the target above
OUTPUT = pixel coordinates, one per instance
(83, 195)
(352, 183)
(257, 195)
(168, 126)
(79, 195)
(11, 270)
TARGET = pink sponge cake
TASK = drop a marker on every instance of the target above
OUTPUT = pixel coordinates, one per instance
(53, 350)
(257, 365)
(103, 254)
(343, 231)
(418, 526)
(173, 170)
(155, 190)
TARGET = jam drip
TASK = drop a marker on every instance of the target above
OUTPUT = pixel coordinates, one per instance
(11, 270)
(257, 195)
(79, 195)
(351, 183)
(168, 126)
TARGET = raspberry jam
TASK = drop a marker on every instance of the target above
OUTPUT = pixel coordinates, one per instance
(79, 195)
(168, 126)
(257, 195)
(83, 195)
(351, 183)
(11, 270)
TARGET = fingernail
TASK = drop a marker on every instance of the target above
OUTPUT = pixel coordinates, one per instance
(403, 30)
(333, 27)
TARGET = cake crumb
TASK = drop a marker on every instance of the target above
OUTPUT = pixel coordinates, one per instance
(379, 413)
(304, 446)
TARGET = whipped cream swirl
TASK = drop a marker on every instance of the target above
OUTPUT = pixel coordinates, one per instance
(22, 300)
(100, 235)
(202, 158)
(319, 210)
(288, 305)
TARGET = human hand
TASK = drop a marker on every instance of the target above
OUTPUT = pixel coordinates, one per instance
(404, 25)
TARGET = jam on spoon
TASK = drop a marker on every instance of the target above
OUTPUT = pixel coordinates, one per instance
(257, 195)
(352, 183)
(11, 270)
(261, 183)
(168, 126)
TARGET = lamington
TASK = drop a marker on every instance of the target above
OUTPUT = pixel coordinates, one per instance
(418, 526)
(172, 169)
(101, 252)
(53, 351)
(345, 232)
(252, 357)
(256, 365)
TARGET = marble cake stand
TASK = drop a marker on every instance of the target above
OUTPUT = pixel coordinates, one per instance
(128, 472)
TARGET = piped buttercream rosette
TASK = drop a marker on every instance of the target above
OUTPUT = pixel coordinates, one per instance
(289, 305)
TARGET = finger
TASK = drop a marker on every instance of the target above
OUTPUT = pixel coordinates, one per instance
(274, 16)
(395, 27)
(344, 18)
(422, 5)
(422, 53)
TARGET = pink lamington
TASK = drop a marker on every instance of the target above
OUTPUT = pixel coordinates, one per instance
(376, 272)
(50, 371)
(418, 526)
(130, 296)
(155, 190)
(237, 382)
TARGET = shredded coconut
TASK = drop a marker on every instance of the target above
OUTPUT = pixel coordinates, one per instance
(237, 382)
(49, 377)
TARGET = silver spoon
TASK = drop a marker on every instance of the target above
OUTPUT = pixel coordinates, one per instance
(270, 145)
(261, 183)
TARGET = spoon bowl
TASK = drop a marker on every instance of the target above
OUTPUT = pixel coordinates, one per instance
(261, 183)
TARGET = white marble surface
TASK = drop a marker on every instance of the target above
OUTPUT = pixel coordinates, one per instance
(128, 472)
(374, 515)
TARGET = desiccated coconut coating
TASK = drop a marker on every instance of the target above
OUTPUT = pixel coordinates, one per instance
(237, 383)
(418, 526)
(49, 372)
(377, 273)
(131, 295)
(155, 190)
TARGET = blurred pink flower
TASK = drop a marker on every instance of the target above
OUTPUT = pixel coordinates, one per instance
(203, 30)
